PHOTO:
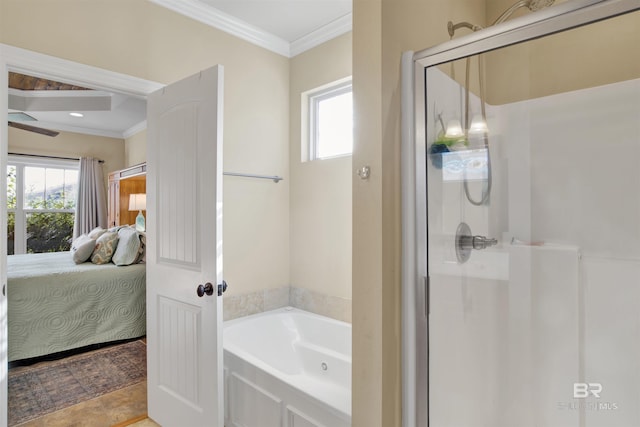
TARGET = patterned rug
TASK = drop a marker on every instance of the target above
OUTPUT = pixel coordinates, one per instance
(38, 390)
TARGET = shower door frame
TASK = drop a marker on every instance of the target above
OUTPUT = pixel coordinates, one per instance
(415, 271)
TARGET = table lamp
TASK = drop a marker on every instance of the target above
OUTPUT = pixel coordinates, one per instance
(138, 202)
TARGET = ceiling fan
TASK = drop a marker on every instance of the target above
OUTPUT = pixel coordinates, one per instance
(16, 120)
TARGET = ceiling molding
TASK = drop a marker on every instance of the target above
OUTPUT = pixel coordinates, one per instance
(215, 18)
(134, 129)
(336, 28)
(227, 23)
(77, 129)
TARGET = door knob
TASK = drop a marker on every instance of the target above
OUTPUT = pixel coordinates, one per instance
(207, 288)
(222, 287)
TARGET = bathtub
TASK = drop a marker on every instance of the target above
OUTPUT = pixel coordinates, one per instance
(287, 368)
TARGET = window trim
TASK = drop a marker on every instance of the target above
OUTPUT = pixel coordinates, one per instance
(313, 99)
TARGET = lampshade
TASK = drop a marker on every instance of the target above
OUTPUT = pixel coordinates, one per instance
(137, 202)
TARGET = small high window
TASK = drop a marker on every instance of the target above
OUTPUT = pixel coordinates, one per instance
(330, 121)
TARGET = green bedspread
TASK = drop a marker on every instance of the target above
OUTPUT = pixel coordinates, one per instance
(56, 305)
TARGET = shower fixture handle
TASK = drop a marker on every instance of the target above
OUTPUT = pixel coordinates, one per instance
(481, 242)
(465, 242)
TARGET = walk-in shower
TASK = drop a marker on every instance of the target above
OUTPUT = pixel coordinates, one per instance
(521, 205)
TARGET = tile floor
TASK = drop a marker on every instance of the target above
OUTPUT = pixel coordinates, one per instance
(145, 423)
(104, 411)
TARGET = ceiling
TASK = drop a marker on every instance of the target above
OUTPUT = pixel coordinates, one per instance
(287, 27)
(50, 104)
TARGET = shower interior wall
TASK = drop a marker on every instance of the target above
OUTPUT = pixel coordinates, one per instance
(520, 332)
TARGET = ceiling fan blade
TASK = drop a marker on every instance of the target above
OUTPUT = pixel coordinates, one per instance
(30, 128)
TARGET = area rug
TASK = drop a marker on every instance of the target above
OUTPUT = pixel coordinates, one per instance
(45, 388)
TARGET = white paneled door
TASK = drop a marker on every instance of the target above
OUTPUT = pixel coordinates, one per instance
(184, 252)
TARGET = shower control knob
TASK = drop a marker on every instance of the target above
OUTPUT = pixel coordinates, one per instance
(481, 242)
(465, 241)
(207, 289)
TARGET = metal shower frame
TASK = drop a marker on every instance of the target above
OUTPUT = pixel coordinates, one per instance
(415, 274)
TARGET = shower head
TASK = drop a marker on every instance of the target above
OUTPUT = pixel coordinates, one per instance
(539, 4)
(532, 5)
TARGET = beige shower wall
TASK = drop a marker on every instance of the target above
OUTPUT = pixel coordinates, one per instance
(539, 68)
(320, 230)
(139, 38)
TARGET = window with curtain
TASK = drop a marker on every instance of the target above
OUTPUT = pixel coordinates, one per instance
(41, 199)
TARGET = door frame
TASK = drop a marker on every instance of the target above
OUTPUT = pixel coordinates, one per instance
(415, 268)
(28, 62)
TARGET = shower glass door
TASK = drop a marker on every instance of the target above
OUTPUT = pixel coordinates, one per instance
(533, 206)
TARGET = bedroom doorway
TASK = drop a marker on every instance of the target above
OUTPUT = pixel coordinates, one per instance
(19, 60)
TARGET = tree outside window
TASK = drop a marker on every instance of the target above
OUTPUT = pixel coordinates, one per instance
(41, 208)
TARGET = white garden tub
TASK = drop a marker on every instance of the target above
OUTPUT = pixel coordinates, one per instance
(287, 368)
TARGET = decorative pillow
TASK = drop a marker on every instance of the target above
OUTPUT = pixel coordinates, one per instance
(97, 232)
(128, 247)
(82, 248)
(105, 247)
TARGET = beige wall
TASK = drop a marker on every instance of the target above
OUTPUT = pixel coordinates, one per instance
(382, 30)
(135, 149)
(539, 68)
(320, 229)
(138, 38)
(68, 144)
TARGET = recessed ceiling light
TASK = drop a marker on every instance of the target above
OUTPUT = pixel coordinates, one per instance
(76, 114)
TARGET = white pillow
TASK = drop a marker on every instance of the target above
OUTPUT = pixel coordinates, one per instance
(82, 248)
(128, 247)
(97, 232)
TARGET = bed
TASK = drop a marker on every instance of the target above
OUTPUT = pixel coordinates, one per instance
(57, 305)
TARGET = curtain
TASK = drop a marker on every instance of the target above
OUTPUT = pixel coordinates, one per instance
(91, 205)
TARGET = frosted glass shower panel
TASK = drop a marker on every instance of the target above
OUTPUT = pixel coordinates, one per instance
(540, 325)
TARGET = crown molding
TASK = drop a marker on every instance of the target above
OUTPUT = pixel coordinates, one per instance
(77, 129)
(333, 29)
(227, 23)
(215, 18)
(134, 129)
